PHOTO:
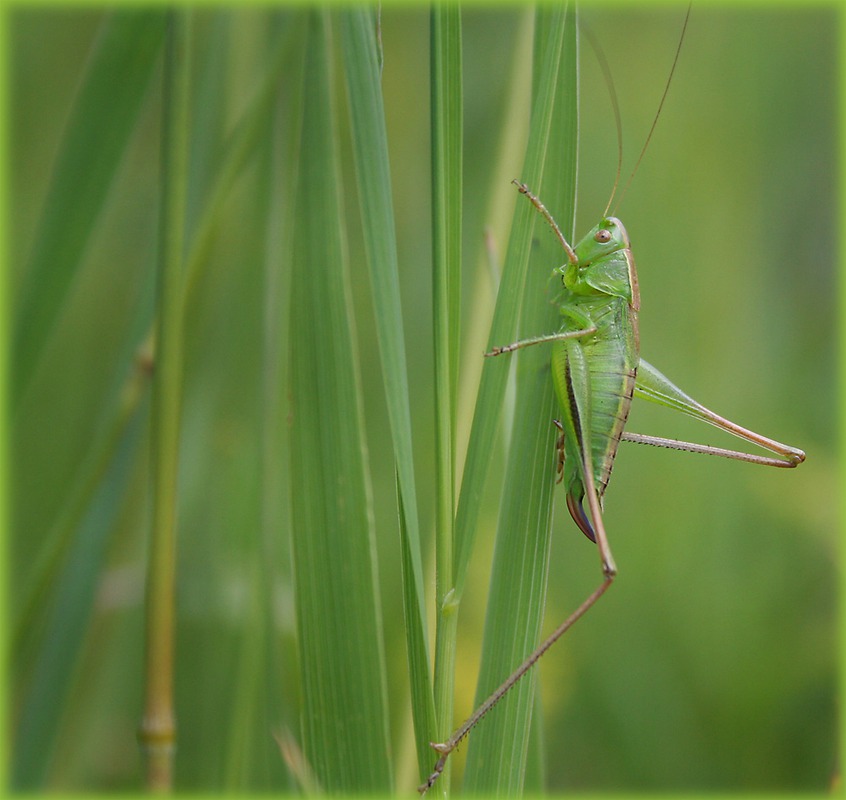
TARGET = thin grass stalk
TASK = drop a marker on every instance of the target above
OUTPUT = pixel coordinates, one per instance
(158, 727)
(447, 129)
(362, 62)
(498, 755)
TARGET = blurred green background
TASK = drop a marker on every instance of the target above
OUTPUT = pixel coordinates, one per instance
(709, 666)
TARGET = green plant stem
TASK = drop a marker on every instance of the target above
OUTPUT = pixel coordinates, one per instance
(446, 113)
(158, 727)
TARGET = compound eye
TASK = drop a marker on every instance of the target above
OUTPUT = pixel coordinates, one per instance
(602, 236)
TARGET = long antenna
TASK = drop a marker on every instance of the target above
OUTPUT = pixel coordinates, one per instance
(609, 82)
(660, 106)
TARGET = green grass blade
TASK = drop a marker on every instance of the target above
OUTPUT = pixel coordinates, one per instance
(506, 314)
(447, 131)
(370, 150)
(344, 715)
(497, 754)
(117, 78)
(275, 447)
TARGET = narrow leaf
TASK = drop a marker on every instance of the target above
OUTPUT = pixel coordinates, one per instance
(497, 756)
(447, 130)
(344, 714)
(117, 78)
(370, 150)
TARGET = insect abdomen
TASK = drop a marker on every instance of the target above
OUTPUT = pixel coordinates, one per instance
(612, 358)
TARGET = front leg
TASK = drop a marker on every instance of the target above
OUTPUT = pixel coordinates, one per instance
(550, 337)
(583, 326)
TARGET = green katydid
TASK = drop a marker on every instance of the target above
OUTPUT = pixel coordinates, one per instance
(597, 370)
